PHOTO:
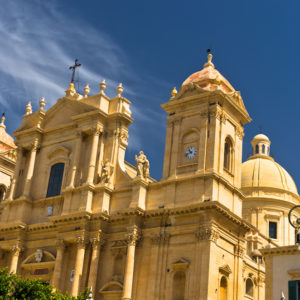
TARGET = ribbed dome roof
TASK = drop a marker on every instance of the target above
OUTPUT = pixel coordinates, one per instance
(265, 172)
(209, 77)
(261, 171)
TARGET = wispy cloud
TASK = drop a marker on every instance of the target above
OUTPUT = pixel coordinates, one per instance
(39, 41)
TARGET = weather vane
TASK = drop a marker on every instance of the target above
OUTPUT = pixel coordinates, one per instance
(73, 68)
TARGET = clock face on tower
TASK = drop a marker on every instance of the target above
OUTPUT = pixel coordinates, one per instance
(190, 152)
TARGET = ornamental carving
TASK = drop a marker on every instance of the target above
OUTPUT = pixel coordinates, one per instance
(160, 237)
(35, 145)
(239, 132)
(124, 138)
(133, 235)
(97, 242)
(220, 115)
(239, 251)
(80, 242)
(206, 233)
(119, 247)
(107, 169)
(60, 244)
(142, 165)
(17, 249)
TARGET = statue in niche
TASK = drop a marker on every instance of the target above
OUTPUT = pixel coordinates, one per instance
(38, 255)
(142, 165)
(106, 171)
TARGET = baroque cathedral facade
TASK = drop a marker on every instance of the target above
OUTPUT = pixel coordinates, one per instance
(76, 214)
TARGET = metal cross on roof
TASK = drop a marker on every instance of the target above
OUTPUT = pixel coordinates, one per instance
(73, 68)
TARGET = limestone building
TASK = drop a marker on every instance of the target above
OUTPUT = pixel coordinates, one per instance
(77, 214)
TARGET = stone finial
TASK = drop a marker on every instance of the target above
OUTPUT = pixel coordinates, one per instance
(174, 92)
(42, 103)
(71, 90)
(2, 121)
(28, 108)
(209, 61)
(102, 87)
(120, 89)
(86, 90)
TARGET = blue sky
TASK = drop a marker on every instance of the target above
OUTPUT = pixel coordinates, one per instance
(152, 46)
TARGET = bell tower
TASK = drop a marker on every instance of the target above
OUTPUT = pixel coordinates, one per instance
(204, 136)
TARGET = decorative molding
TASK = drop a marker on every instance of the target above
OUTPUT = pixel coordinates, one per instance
(180, 264)
(295, 274)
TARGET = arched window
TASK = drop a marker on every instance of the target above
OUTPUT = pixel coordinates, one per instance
(249, 287)
(223, 288)
(2, 192)
(178, 286)
(263, 149)
(256, 149)
(228, 149)
(55, 179)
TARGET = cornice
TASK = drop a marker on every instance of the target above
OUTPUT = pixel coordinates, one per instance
(71, 217)
(13, 226)
(284, 250)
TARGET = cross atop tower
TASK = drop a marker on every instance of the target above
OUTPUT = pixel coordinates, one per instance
(73, 68)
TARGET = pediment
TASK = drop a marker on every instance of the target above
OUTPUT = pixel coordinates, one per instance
(111, 287)
(39, 259)
(59, 151)
(63, 111)
(181, 263)
(189, 90)
(225, 269)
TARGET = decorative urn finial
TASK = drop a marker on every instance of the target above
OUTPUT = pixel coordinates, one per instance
(209, 61)
(28, 108)
(42, 103)
(86, 90)
(2, 121)
(71, 90)
(102, 86)
(174, 92)
(120, 89)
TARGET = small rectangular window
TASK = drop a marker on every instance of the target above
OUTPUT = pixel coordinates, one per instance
(273, 230)
(294, 290)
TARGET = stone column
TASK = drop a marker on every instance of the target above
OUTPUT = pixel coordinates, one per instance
(132, 237)
(16, 174)
(58, 264)
(76, 158)
(78, 266)
(93, 156)
(15, 250)
(30, 169)
(96, 248)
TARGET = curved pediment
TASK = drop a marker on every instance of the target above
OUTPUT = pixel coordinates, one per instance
(112, 287)
(59, 151)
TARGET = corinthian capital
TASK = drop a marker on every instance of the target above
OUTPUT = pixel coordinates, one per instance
(80, 242)
(17, 249)
(207, 233)
(133, 235)
(35, 145)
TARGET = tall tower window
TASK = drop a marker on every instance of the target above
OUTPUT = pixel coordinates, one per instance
(223, 288)
(228, 149)
(55, 179)
(263, 149)
(249, 287)
(273, 230)
(256, 149)
(179, 286)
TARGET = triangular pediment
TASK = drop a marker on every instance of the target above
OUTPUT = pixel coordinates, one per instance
(225, 269)
(63, 111)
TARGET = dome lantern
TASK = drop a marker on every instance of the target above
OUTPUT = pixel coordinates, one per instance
(261, 145)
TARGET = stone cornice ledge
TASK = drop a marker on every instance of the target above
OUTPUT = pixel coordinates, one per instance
(70, 217)
(13, 226)
(284, 250)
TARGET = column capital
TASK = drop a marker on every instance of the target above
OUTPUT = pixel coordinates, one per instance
(80, 242)
(97, 130)
(35, 145)
(97, 242)
(239, 251)
(133, 235)
(60, 244)
(17, 249)
(207, 233)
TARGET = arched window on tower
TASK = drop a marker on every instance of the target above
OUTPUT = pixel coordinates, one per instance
(228, 154)
(249, 287)
(256, 149)
(2, 192)
(178, 285)
(223, 288)
(55, 180)
(263, 149)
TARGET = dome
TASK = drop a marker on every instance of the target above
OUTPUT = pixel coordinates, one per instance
(261, 171)
(6, 140)
(208, 78)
